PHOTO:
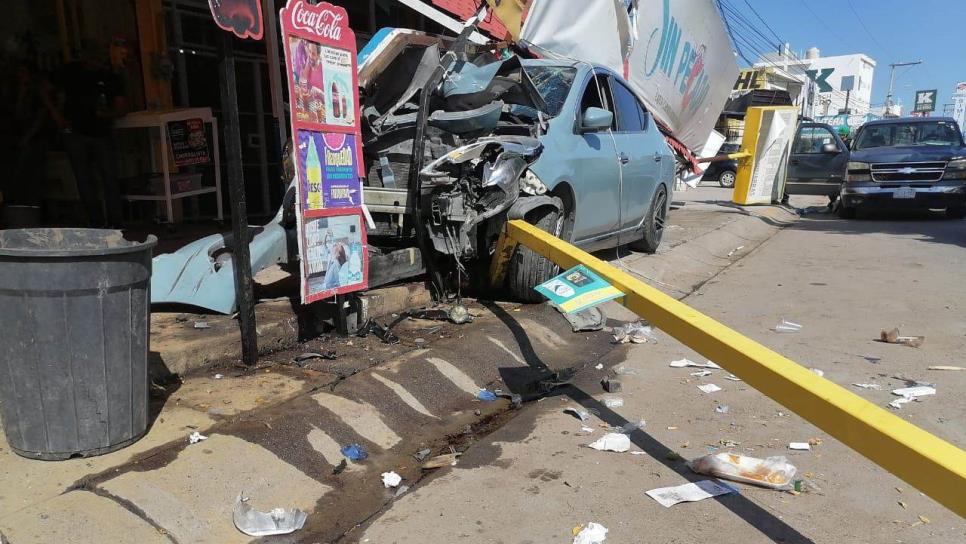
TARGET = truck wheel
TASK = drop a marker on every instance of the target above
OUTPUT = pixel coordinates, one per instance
(956, 212)
(653, 223)
(727, 179)
(528, 269)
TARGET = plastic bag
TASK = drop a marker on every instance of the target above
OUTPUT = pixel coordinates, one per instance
(773, 472)
(636, 333)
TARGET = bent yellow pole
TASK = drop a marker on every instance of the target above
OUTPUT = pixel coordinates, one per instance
(932, 465)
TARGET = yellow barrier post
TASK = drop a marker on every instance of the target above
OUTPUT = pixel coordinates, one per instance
(932, 465)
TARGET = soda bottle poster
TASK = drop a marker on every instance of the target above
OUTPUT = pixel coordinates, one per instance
(331, 175)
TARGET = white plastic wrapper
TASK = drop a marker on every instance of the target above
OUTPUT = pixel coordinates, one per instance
(612, 442)
(593, 533)
(773, 472)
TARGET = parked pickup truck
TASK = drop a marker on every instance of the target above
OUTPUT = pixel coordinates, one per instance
(918, 162)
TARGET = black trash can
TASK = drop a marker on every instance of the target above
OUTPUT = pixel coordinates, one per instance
(74, 310)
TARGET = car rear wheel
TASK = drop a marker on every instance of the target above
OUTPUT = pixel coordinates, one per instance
(653, 223)
(727, 179)
(528, 269)
(956, 212)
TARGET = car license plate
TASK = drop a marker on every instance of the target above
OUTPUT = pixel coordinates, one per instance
(904, 192)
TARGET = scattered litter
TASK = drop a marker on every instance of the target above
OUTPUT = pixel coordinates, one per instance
(701, 373)
(722, 408)
(814, 442)
(943, 367)
(486, 395)
(802, 446)
(612, 442)
(635, 333)
(672, 428)
(582, 415)
(875, 386)
(593, 533)
(458, 314)
(735, 250)
(709, 388)
(276, 522)
(693, 492)
(586, 430)
(587, 320)
(440, 461)
(773, 472)
(301, 359)
(219, 376)
(202, 325)
(733, 378)
(382, 333)
(340, 468)
(421, 455)
(820, 372)
(614, 402)
(909, 394)
(631, 426)
(625, 371)
(682, 363)
(872, 359)
(391, 479)
(599, 366)
(354, 452)
(196, 437)
(638, 453)
(924, 519)
(893, 337)
(787, 326)
(610, 385)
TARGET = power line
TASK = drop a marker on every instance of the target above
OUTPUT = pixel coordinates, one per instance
(762, 19)
(822, 21)
(867, 31)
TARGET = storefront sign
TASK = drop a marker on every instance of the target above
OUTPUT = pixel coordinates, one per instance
(189, 143)
(243, 18)
(320, 59)
(925, 101)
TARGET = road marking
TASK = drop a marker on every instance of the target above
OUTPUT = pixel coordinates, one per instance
(544, 335)
(326, 445)
(405, 395)
(362, 417)
(455, 375)
(512, 353)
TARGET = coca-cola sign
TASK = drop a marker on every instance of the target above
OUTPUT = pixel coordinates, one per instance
(321, 21)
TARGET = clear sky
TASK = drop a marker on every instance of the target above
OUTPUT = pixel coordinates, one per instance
(901, 30)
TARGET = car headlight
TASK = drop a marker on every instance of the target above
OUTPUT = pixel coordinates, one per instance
(531, 184)
(858, 171)
(956, 169)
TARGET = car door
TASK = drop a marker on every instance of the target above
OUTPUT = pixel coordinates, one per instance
(595, 169)
(817, 163)
(641, 161)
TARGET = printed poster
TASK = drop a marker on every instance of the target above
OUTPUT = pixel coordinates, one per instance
(331, 178)
(578, 289)
(336, 259)
(189, 143)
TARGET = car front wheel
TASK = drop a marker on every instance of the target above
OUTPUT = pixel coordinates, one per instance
(528, 269)
(727, 179)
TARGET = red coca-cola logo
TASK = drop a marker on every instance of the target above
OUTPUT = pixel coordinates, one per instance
(324, 23)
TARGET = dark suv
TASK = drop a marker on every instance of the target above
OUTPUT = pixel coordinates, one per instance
(918, 162)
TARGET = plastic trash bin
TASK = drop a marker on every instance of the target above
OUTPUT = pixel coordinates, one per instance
(74, 310)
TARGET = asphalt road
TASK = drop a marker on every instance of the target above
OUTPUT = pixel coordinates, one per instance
(532, 481)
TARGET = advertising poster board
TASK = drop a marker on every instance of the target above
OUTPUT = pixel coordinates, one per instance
(578, 289)
(769, 133)
(320, 61)
(189, 143)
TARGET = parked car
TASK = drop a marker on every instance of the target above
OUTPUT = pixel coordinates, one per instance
(453, 153)
(724, 172)
(817, 163)
(917, 163)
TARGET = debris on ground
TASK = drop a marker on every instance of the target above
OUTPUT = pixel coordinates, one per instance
(611, 385)
(821, 373)
(893, 337)
(276, 522)
(457, 314)
(486, 395)
(801, 446)
(701, 373)
(219, 376)
(625, 371)
(875, 386)
(735, 250)
(615, 402)
(593, 533)
(599, 366)
(722, 408)
(196, 437)
(422, 455)
(612, 442)
(440, 461)
(944, 367)
(301, 359)
(354, 452)
(682, 363)
(709, 388)
(733, 378)
(371, 326)
(773, 472)
(202, 325)
(582, 415)
(587, 320)
(391, 479)
(787, 326)
(631, 426)
(909, 394)
(693, 492)
(635, 333)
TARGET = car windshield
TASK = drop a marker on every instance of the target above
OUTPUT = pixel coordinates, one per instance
(553, 83)
(938, 133)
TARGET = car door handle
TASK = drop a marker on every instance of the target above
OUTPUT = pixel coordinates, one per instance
(658, 157)
(624, 158)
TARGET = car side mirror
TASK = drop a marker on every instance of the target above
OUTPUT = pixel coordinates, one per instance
(594, 119)
(831, 149)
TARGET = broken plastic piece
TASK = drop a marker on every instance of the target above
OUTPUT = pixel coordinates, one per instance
(618, 442)
(868, 386)
(682, 363)
(421, 455)
(722, 408)
(382, 333)
(787, 326)
(196, 437)
(801, 446)
(486, 395)
(635, 333)
(693, 492)
(773, 472)
(892, 337)
(586, 320)
(276, 522)
(614, 402)
(354, 452)
(701, 373)
(909, 394)
(593, 533)
(733, 378)
(202, 325)
(582, 415)
(709, 388)
(391, 479)
(943, 367)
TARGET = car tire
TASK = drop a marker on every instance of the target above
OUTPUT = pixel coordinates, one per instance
(528, 269)
(845, 212)
(956, 212)
(653, 223)
(727, 179)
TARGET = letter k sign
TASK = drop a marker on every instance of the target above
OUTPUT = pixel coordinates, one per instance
(820, 79)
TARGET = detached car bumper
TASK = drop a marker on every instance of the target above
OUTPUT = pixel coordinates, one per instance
(936, 195)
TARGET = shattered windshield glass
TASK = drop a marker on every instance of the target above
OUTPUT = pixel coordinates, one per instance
(553, 83)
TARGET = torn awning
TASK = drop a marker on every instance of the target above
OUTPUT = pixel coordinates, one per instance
(464, 9)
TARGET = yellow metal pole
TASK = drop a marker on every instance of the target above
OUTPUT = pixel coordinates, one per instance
(932, 465)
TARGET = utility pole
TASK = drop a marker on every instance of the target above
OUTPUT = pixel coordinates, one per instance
(892, 81)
